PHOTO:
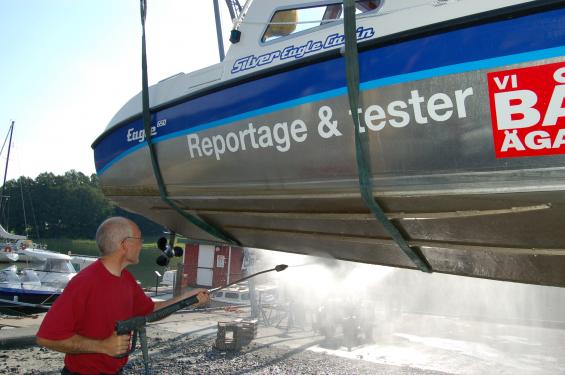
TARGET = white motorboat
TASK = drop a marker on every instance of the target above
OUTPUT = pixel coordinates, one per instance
(460, 140)
(34, 254)
(24, 292)
(53, 269)
(239, 295)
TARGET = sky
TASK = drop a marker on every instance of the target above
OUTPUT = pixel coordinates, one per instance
(67, 66)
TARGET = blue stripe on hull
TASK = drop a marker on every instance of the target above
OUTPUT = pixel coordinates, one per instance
(28, 292)
(30, 296)
(530, 38)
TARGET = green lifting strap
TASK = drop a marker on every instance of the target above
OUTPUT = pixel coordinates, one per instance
(156, 169)
(361, 142)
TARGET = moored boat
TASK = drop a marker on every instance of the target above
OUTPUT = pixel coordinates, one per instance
(461, 106)
(9, 246)
(36, 254)
(240, 295)
(24, 293)
(7, 255)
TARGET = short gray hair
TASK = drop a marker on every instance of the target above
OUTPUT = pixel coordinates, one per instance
(112, 232)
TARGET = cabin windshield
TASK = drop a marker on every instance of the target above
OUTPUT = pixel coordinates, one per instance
(291, 21)
(58, 265)
(9, 277)
(232, 295)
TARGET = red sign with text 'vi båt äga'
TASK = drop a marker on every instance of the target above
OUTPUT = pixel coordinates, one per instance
(528, 110)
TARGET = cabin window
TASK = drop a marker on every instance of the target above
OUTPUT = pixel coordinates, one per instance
(58, 265)
(291, 21)
(9, 277)
(232, 295)
(245, 296)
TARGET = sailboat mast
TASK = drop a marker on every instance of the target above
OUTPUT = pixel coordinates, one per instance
(11, 131)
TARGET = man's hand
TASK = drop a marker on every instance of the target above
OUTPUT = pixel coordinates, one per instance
(116, 345)
(200, 293)
(203, 297)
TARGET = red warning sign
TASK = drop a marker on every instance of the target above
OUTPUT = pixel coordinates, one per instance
(528, 110)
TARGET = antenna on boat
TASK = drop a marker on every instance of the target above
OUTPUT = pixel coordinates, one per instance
(234, 7)
(219, 30)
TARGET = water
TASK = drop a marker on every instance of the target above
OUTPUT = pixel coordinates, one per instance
(144, 271)
(456, 324)
(311, 280)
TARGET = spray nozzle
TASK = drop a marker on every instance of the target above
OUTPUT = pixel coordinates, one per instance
(281, 267)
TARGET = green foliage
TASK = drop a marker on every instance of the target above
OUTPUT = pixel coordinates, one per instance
(144, 271)
(70, 206)
(76, 246)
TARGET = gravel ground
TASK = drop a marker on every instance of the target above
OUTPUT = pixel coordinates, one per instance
(189, 355)
(32, 360)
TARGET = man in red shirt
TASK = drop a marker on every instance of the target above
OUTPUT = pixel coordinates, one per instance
(81, 322)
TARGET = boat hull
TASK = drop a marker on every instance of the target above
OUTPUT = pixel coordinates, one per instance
(26, 301)
(8, 256)
(271, 161)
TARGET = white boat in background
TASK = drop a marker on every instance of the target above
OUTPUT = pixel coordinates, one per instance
(82, 261)
(9, 246)
(461, 130)
(33, 254)
(233, 295)
(15, 247)
(53, 269)
(6, 255)
(19, 248)
(239, 294)
(24, 293)
(4, 234)
(35, 288)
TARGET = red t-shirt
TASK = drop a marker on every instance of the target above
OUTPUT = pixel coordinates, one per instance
(91, 304)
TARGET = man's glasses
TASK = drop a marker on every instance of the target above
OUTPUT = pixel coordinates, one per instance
(133, 238)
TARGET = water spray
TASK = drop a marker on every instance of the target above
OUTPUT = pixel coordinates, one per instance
(278, 268)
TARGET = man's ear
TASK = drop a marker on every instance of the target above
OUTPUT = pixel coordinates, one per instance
(123, 247)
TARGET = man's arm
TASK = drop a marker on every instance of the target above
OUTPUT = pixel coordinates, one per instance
(201, 294)
(113, 345)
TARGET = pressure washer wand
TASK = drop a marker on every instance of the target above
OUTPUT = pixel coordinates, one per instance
(278, 268)
(137, 324)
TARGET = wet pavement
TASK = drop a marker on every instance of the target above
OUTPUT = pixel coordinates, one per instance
(410, 344)
(459, 346)
(413, 344)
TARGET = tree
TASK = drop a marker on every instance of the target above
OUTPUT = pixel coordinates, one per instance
(69, 206)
